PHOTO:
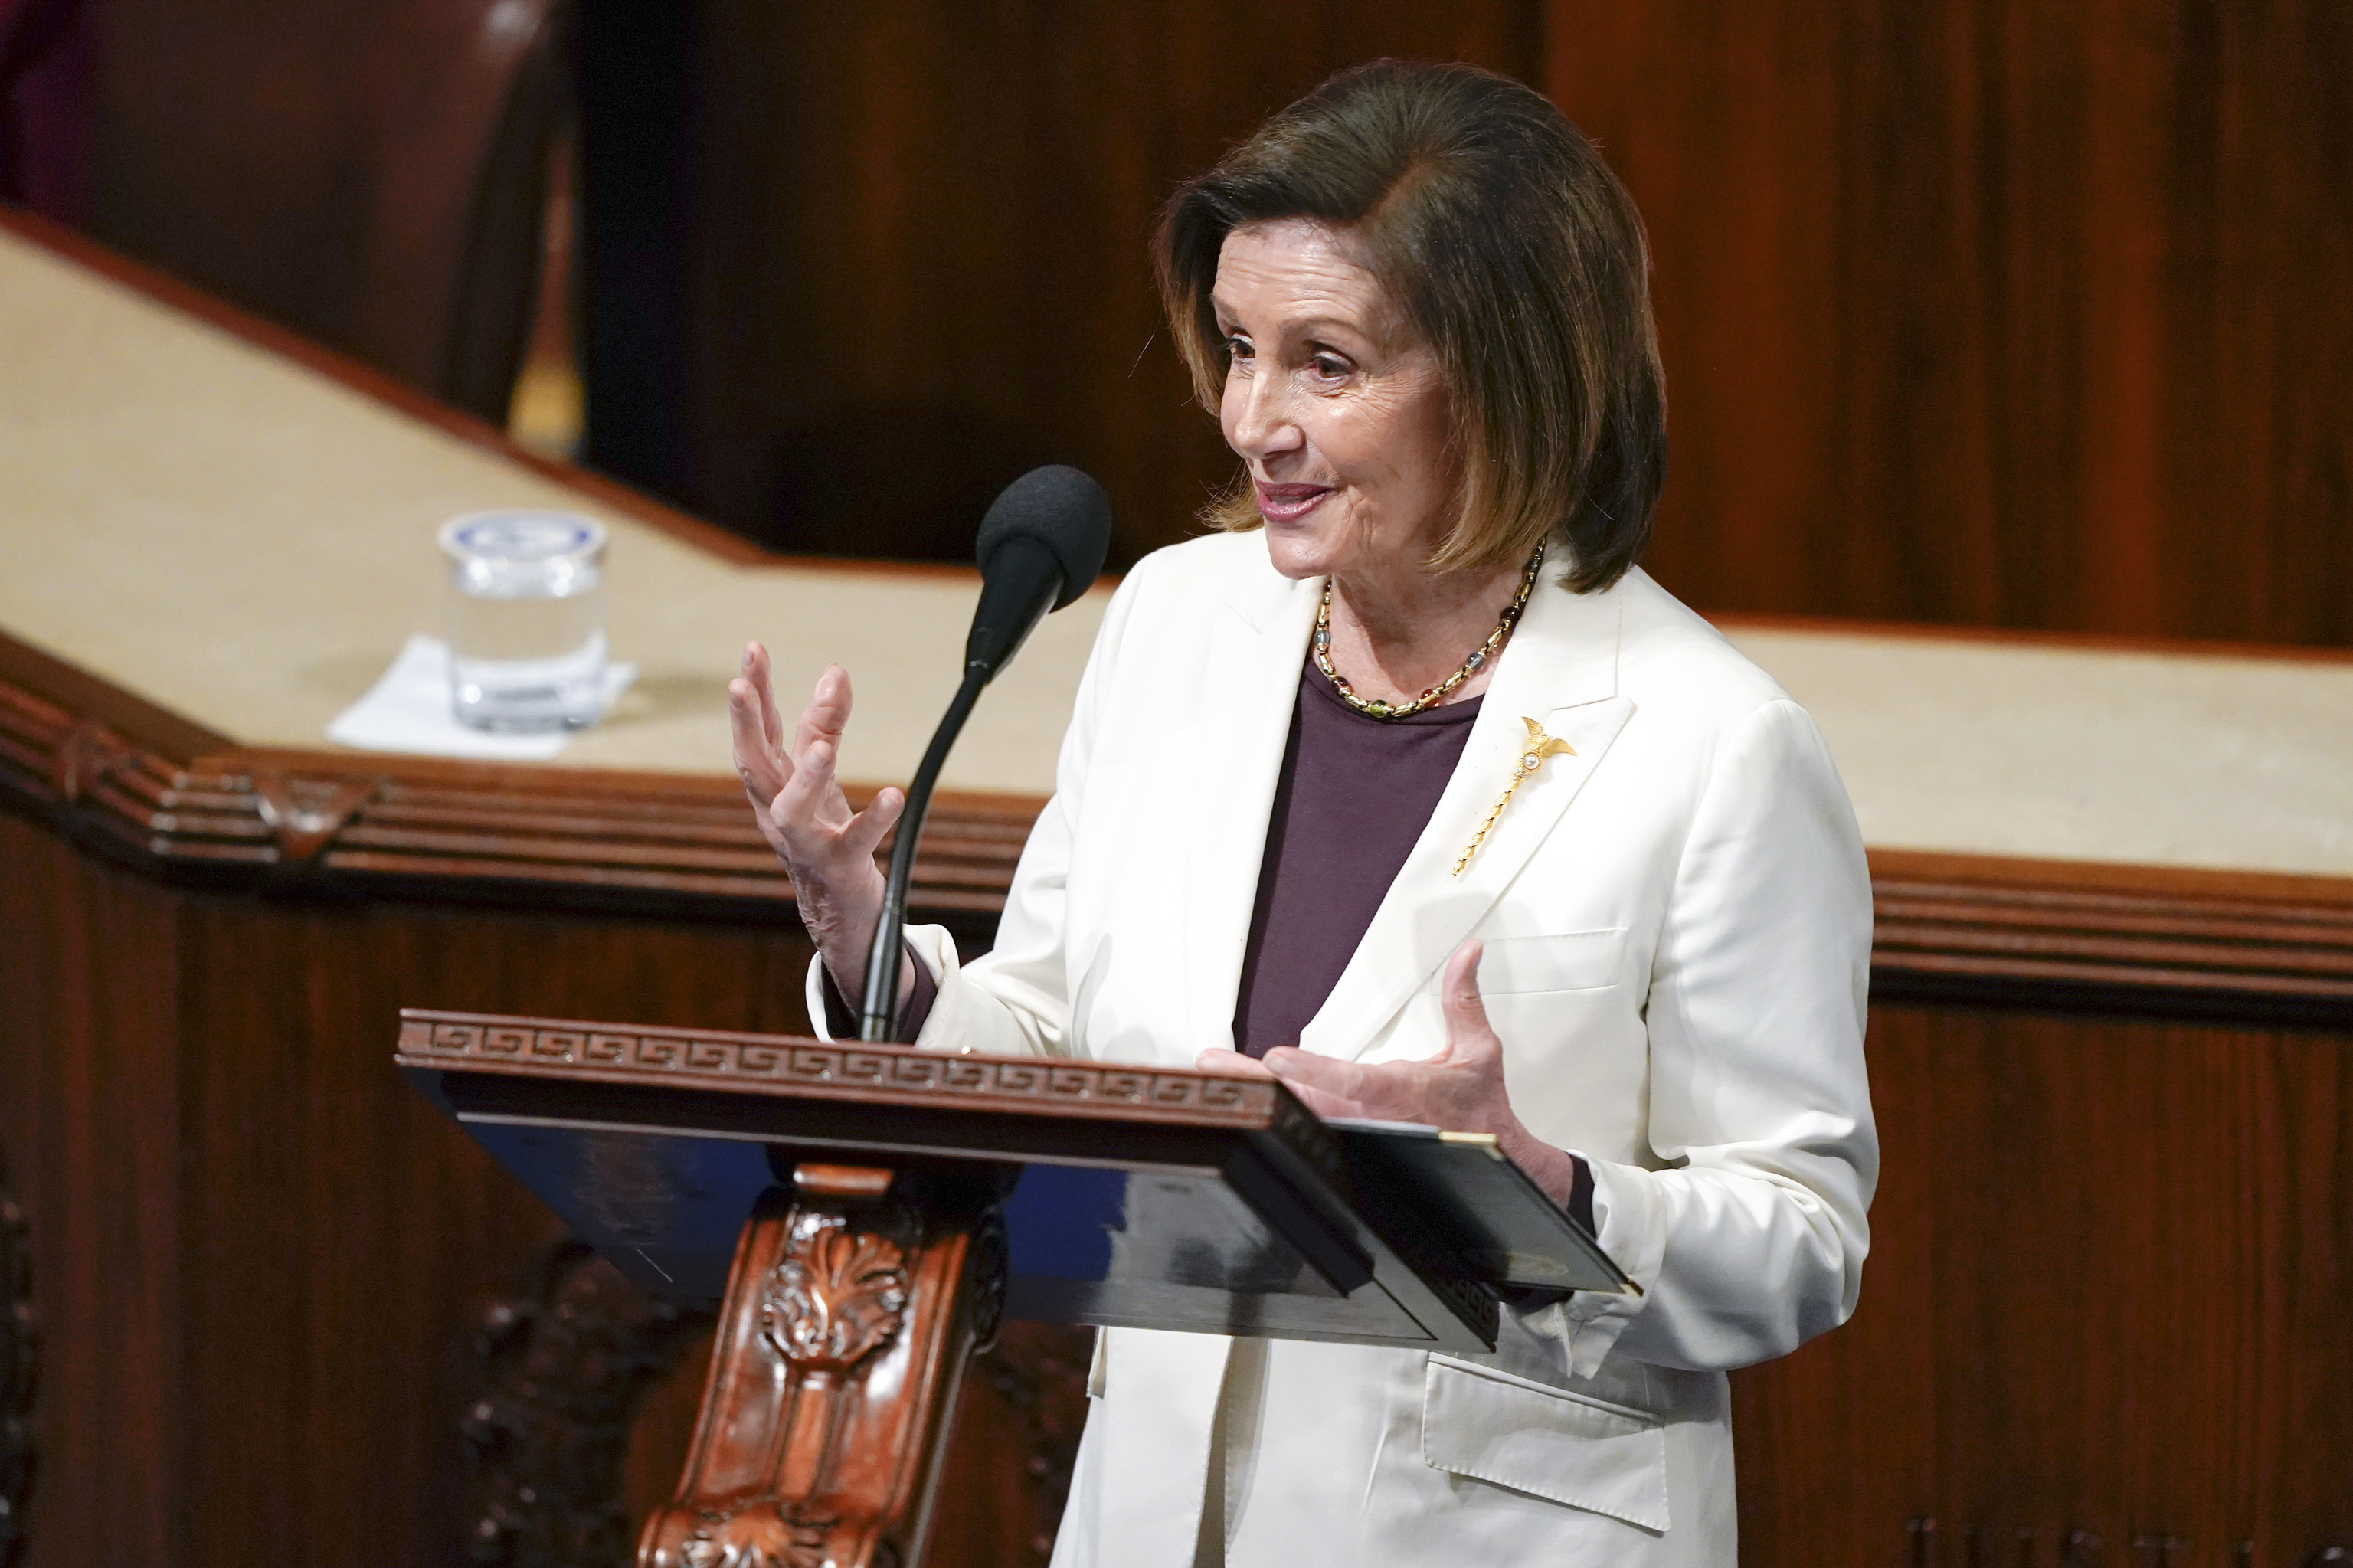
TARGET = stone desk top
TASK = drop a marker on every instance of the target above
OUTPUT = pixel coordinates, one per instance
(244, 540)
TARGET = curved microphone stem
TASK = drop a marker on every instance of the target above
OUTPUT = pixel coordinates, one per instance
(878, 1017)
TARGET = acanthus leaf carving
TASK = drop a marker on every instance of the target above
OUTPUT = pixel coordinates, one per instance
(838, 1296)
(768, 1536)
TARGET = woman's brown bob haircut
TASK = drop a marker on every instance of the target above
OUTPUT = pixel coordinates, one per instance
(1516, 253)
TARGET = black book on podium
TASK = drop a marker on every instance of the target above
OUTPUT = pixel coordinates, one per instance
(1133, 1196)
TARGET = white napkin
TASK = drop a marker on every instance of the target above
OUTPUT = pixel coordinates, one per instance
(408, 710)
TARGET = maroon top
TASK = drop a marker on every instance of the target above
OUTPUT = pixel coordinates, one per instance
(1350, 803)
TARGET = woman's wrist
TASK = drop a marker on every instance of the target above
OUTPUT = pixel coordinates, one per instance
(841, 927)
(1553, 1170)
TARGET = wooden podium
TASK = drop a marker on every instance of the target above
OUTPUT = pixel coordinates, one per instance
(866, 1215)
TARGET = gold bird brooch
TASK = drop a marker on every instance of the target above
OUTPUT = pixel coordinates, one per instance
(1539, 746)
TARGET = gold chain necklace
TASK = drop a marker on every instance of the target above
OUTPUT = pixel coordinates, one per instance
(1374, 707)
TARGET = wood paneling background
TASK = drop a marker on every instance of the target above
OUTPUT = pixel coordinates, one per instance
(1973, 310)
(1994, 312)
(904, 244)
(2105, 1294)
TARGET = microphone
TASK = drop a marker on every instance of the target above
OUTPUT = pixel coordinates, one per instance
(1039, 547)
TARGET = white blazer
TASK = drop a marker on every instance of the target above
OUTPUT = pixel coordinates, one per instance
(1677, 922)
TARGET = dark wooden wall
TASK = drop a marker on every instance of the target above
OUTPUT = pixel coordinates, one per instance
(2104, 1297)
(1996, 313)
(898, 251)
(2107, 1291)
(1973, 310)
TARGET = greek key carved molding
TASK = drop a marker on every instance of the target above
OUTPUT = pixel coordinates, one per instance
(427, 1040)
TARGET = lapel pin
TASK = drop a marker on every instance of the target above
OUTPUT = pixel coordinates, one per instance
(1539, 746)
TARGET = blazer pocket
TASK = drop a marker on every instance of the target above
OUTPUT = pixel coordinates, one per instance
(1573, 960)
(1547, 1442)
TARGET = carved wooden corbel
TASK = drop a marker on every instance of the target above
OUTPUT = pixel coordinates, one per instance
(308, 822)
(568, 1362)
(851, 1311)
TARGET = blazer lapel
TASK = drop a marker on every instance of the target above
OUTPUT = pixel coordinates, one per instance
(1560, 669)
(1250, 686)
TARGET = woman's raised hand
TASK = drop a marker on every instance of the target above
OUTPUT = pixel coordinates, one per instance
(826, 848)
(1461, 1089)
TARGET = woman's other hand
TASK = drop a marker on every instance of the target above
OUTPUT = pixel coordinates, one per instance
(1461, 1089)
(828, 848)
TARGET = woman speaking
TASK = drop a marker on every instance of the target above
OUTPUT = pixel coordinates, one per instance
(1408, 787)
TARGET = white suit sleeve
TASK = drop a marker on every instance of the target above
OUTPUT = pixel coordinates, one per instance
(1012, 1002)
(1751, 1240)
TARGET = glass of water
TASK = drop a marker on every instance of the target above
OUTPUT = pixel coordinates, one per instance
(525, 617)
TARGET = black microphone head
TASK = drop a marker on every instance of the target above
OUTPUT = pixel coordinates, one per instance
(1064, 510)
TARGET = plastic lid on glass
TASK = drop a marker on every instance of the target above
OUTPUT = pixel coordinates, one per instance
(522, 536)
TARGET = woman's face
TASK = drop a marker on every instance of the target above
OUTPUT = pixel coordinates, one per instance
(1337, 405)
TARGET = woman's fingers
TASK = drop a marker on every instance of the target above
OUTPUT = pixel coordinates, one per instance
(828, 714)
(1323, 1102)
(759, 764)
(756, 670)
(813, 795)
(1461, 1088)
(864, 833)
(1328, 1106)
(1468, 1032)
(1330, 1076)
